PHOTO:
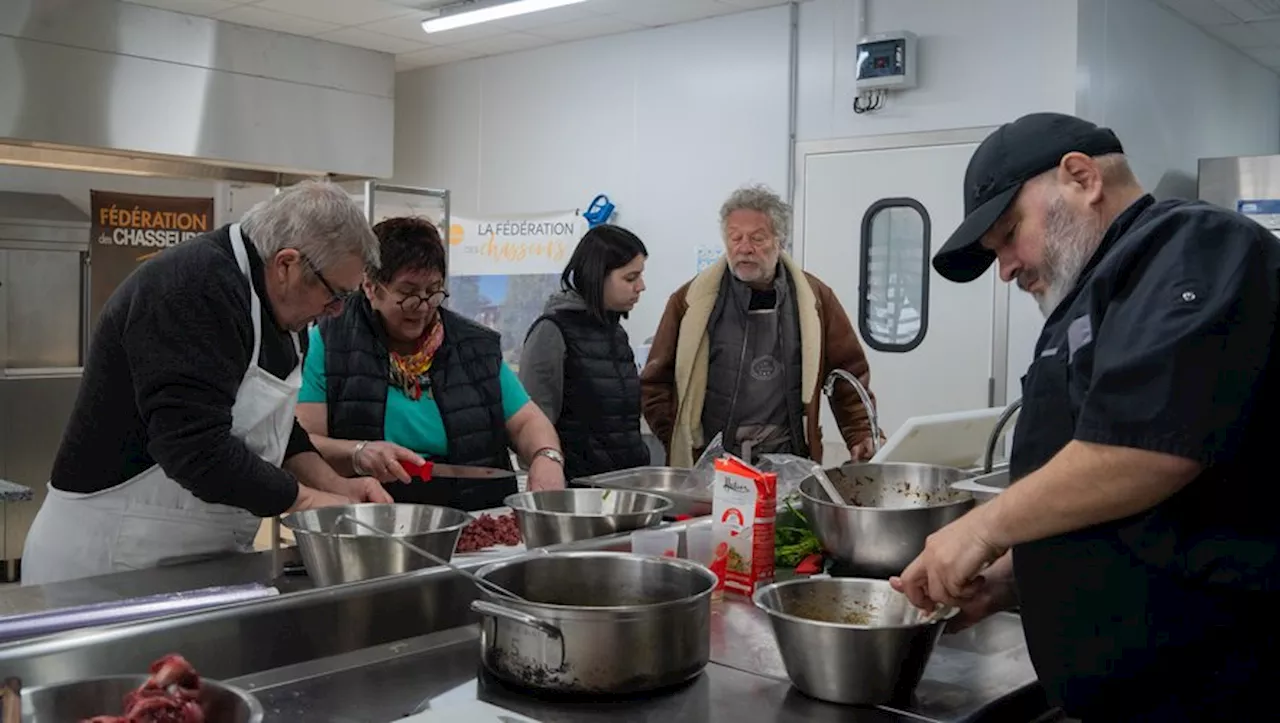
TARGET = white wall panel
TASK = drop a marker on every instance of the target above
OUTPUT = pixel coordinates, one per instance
(982, 62)
(666, 121)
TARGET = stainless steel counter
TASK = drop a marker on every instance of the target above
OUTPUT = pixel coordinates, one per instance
(373, 651)
(389, 682)
(232, 570)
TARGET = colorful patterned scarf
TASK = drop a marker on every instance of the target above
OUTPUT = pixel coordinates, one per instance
(409, 371)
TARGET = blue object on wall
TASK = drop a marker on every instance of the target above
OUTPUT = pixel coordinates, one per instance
(599, 211)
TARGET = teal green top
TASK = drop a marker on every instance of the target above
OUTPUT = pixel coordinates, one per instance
(415, 425)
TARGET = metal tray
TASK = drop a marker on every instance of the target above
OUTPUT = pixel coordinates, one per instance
(666, 481)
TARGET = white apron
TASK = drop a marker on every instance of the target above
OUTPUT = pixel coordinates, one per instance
(151, 519)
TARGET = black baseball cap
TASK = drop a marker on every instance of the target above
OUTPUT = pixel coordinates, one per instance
(1012, 155)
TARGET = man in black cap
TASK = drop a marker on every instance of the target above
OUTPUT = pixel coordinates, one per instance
(1142, 518)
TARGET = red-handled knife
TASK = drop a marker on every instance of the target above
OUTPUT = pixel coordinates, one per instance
(433, 469)
(419, 471)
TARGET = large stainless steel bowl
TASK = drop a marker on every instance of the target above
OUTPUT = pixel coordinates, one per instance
(84, 699)
(551, 517)
(674, 483)
(889, 510)
(849, 640)
(335, 552)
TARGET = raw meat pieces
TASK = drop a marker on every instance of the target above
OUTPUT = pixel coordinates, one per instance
(170, 695)
(487, 531)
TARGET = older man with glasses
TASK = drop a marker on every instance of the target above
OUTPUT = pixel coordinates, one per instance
(183, 436)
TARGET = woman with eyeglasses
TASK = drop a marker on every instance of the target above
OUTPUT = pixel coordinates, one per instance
(396, 378)
(577, 361)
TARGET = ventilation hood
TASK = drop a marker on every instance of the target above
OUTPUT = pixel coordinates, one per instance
(100, 85)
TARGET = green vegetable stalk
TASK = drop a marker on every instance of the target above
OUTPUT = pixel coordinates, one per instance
(793, 539)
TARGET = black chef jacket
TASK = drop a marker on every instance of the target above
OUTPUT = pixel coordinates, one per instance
(1166, 344)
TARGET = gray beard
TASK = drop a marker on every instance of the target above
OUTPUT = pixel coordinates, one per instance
(1069, 242)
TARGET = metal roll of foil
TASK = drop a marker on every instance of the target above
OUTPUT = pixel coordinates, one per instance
(29, 625)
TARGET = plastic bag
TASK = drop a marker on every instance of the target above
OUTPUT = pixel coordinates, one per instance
(791, 471)
(704, 470)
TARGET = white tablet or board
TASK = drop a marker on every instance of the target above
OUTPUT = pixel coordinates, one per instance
(955, 439)
(471, 712)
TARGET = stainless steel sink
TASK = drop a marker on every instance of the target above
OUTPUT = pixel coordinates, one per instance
(985, 486)
(991, 480)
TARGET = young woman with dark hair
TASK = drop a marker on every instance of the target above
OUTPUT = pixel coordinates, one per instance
(577, 363)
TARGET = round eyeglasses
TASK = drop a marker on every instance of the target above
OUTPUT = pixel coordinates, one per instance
(412, 302)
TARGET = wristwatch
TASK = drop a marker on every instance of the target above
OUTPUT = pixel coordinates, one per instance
(551, 454)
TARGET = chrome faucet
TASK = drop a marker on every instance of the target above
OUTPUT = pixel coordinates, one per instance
(995, 434)
(829, 388)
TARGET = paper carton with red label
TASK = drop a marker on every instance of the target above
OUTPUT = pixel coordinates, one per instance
(743, 504)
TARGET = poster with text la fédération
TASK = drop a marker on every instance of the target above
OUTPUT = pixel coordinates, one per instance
(130, 228)
(502, 269)
(513, 246)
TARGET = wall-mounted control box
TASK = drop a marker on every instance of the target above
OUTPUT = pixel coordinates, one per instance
(886, 61)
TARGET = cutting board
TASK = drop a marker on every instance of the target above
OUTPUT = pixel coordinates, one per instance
(955, 439)
(472, 712)
(496, 551)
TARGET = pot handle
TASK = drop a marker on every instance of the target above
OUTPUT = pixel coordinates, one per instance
(489, 609)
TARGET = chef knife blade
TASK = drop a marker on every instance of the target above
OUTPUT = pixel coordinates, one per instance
(456, 471)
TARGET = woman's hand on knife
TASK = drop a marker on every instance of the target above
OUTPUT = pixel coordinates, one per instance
(381, 460)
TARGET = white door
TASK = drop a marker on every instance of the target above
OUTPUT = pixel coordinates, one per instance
(928, 340)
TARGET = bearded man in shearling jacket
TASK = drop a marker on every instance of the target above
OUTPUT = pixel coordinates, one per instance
(745, 353)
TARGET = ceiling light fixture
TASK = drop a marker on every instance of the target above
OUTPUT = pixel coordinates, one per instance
(491, 12)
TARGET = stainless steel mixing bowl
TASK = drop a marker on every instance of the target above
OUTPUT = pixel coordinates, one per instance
(84, 699)
(889, 510)
(337, 552)
(849, 640)
(552, 517)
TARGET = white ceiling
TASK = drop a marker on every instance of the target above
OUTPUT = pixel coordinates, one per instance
(1253, 26)
(394, 26)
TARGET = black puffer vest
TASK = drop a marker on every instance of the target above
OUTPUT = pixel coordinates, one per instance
(599, 424)
(464, 383)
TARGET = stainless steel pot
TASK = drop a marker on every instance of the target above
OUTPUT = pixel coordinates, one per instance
(84, 699)
(891, 508)
(337, 552)
(598, 622)
(849, 640)
(552, 517)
